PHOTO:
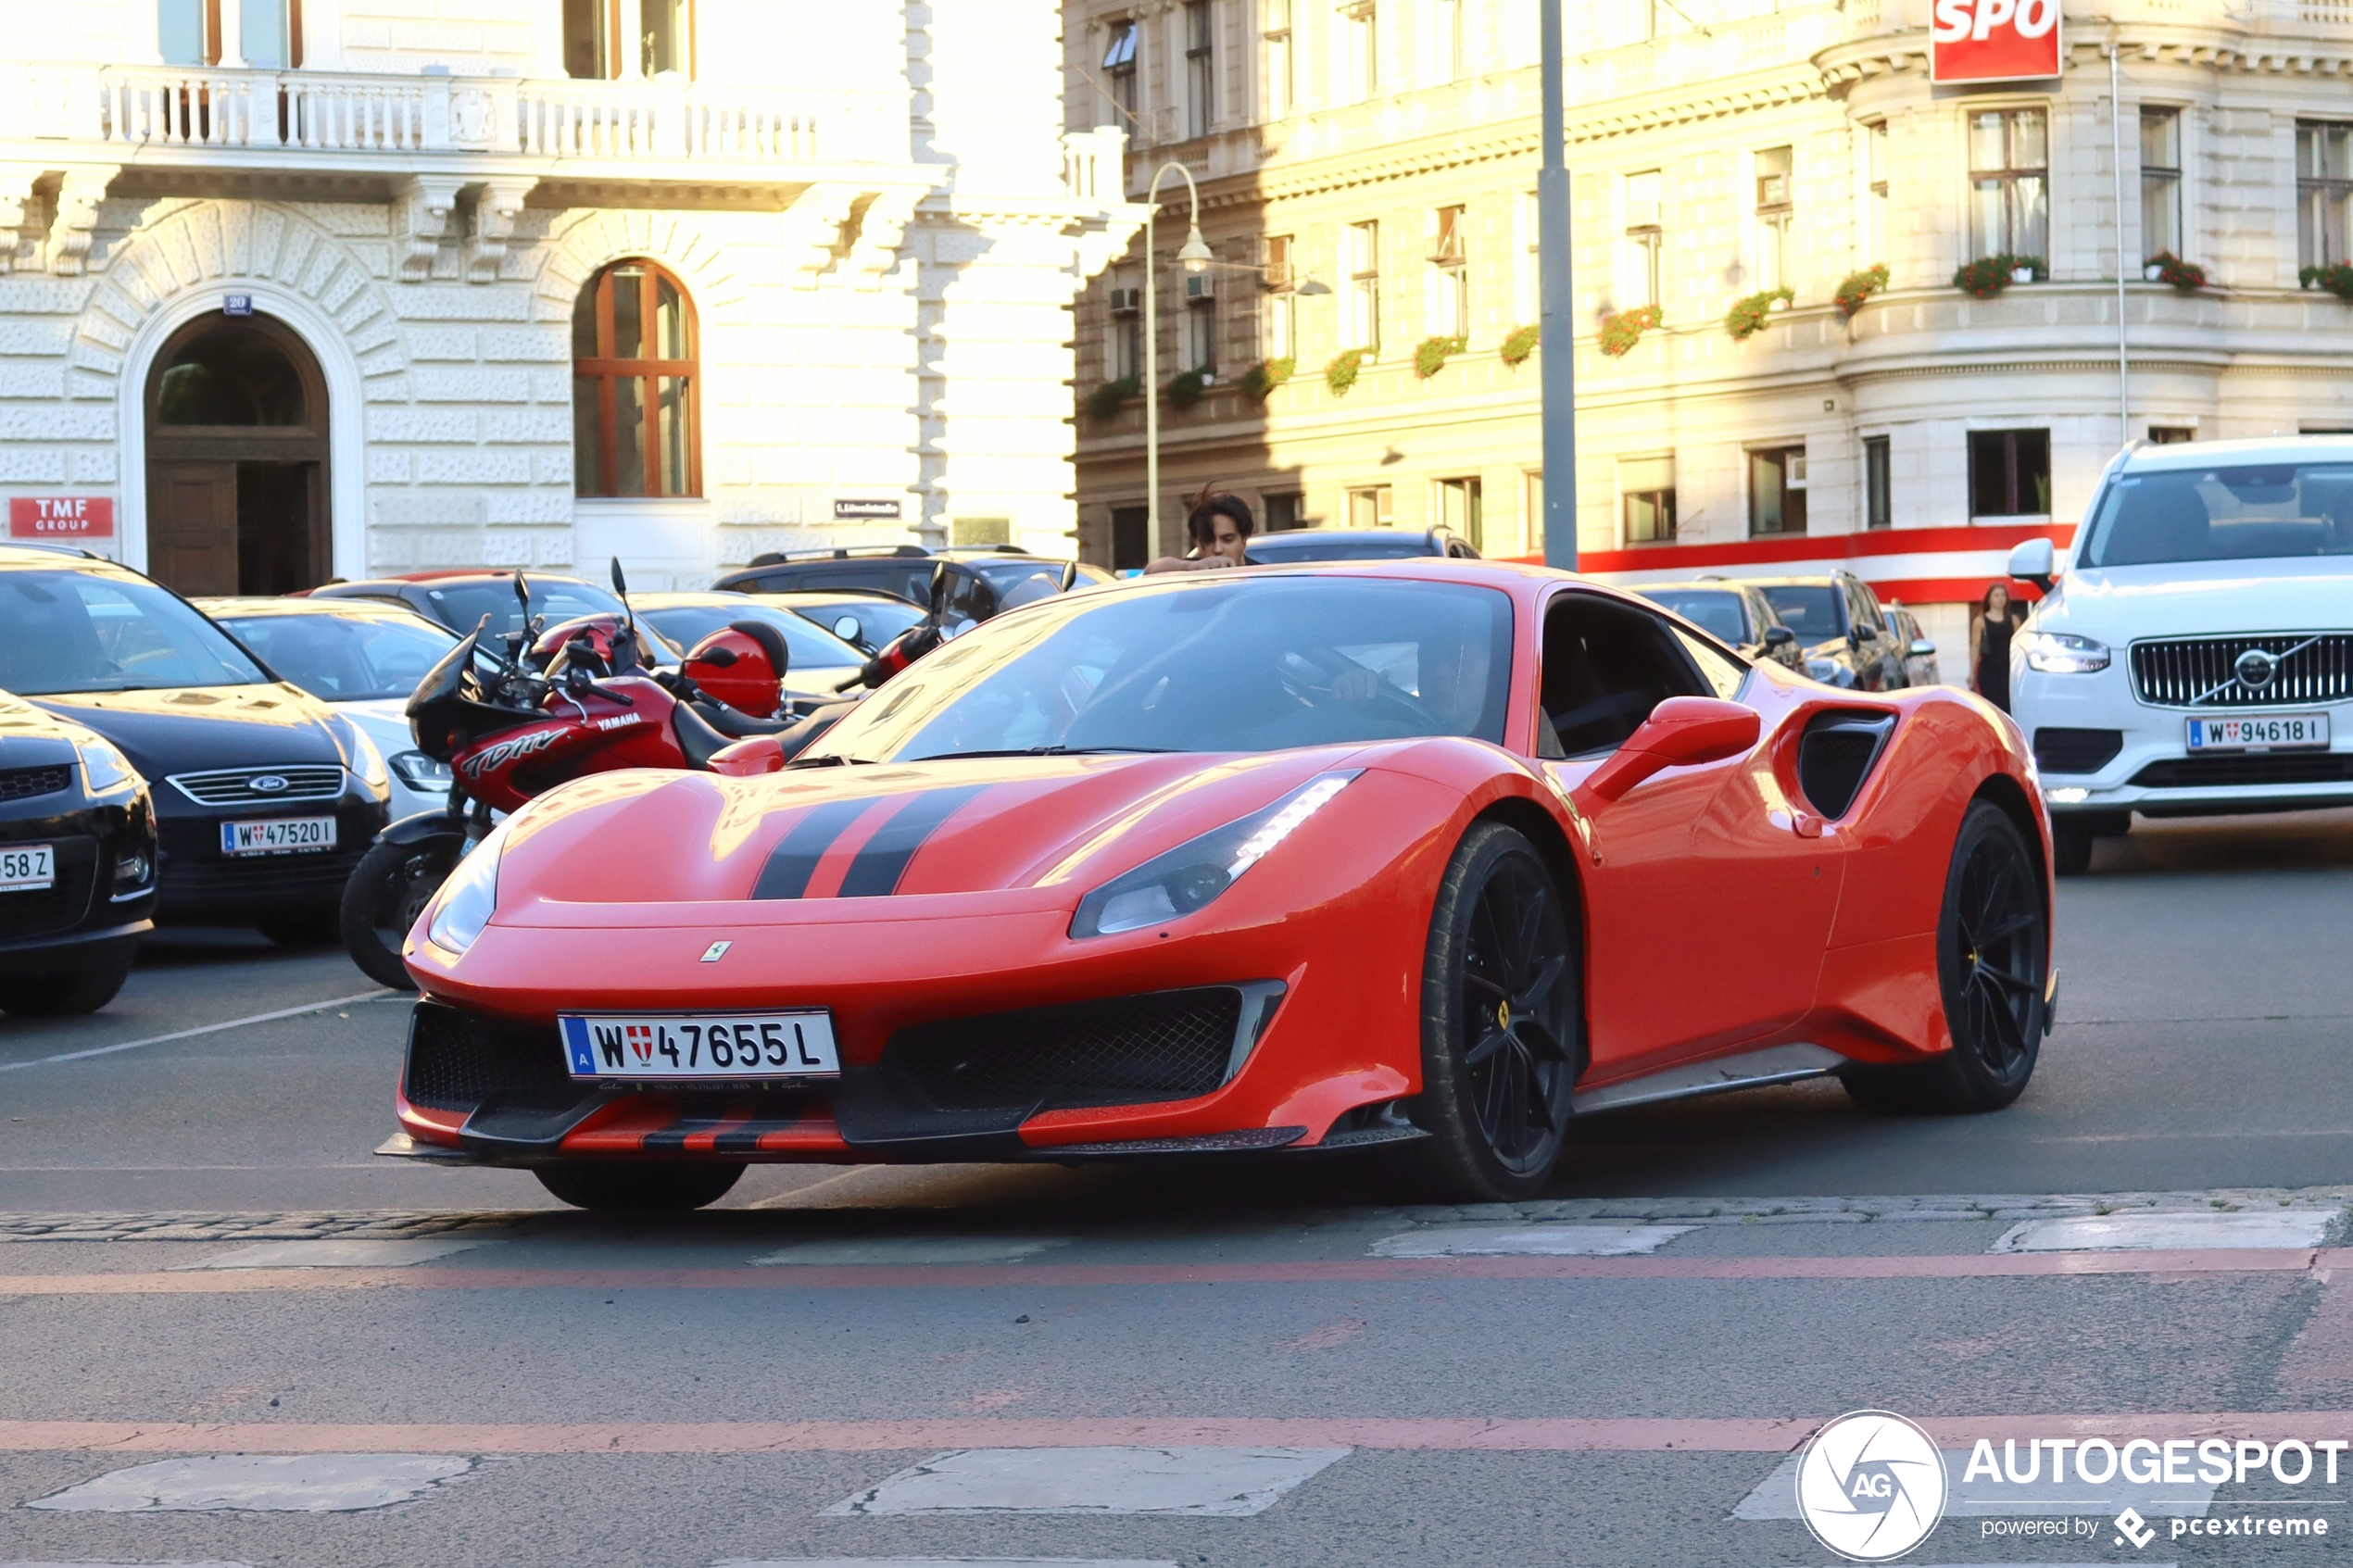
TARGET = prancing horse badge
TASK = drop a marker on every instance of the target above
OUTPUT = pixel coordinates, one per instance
(716, 951)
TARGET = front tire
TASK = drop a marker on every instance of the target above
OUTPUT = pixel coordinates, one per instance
(620, 1188)
(389, 888)
(1502, 1011)
(1993, 949)
(68, 992)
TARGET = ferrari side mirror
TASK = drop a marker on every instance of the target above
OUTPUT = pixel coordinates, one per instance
(1681, 732)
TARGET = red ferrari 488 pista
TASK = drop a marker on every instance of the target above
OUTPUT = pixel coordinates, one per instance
(1432, 854)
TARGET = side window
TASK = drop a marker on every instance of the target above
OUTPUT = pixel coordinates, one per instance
(1606, 665)
(1723, 674)
(1865, 603)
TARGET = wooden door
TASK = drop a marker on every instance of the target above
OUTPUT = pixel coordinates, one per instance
(192, 525)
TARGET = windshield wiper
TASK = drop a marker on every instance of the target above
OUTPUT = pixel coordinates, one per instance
(1046, 751)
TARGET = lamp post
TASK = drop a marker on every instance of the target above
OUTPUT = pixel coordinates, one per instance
(1557, 315)
(1195, 257)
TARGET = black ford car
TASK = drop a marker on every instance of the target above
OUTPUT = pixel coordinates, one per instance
(264, 795)
(77, 864)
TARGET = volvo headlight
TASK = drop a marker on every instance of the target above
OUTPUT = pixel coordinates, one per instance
(2063, 653)
(420, 772)
(468, 898)
(104, 768)
(1188, 876)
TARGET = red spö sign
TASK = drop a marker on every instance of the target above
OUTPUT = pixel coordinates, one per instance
(60, 517)
(1993, 40)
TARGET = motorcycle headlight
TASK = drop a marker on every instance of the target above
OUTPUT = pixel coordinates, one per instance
(1196, 872)
(420, 772)
(2063, 653)
(468, 898)
(1830, 672)
(104, 768)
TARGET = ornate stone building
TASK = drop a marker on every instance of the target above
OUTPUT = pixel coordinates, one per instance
(1367, 176)
(301, 288)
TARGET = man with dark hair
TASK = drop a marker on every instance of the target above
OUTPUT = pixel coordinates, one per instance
(1219, 525)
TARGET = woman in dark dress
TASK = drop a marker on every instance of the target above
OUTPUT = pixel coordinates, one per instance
(1989, 645)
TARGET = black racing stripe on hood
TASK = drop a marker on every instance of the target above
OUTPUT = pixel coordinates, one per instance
(793, 860)
(883, 861)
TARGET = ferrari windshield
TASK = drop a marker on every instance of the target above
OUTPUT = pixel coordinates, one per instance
(2259, 512)
(1247, 665)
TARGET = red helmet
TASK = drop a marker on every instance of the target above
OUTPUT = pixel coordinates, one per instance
(742, 667)
(590, 639)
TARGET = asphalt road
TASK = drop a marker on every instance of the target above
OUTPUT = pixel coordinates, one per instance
(1220, 1365)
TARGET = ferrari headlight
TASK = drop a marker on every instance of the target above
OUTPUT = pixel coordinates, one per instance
(2063, 653)
(468, 898)
(1196, 872)
(104, 768)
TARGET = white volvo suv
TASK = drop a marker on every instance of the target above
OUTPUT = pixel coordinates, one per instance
(2195, 657)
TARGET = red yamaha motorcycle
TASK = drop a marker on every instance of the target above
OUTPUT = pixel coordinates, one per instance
(562, 702)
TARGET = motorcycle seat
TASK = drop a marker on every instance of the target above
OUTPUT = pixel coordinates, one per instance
(742, 726)
(697, 738)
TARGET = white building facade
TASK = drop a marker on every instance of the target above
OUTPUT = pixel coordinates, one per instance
(300, 289)
(1367, 177)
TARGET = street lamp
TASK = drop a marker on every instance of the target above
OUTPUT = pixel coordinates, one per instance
(1195, 257)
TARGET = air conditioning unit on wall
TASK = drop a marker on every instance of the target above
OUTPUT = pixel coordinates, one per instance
(1201, 286)
(1127, 302)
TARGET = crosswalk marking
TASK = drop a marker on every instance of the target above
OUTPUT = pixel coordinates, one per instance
(913, 1249)
(348, 1483)
(1529, 1241)
(2150, 1233)
(1214, 1483)
(340, 1254)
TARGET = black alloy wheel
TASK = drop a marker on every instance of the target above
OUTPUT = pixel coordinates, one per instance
(1992, 956)
(1501, 1015)
(389, 888)
(627, 1187)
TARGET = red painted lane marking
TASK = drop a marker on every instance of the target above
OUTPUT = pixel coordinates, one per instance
(1455, 1434)
(967, 1276)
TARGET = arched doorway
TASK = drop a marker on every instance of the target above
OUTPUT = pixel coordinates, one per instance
(236, 423)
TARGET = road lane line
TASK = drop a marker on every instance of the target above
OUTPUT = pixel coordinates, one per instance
(1763, 1435)
(374, 995)
(1355, 1270)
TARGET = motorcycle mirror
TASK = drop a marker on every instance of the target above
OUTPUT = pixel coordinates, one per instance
(847, 628)
(939, 586)
(620, 584)
(522, 594)
(1070, 576)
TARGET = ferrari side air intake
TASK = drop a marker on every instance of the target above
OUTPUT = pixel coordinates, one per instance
(1837, 754)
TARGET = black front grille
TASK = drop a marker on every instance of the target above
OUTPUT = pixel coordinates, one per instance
(60, 906)
(2254, 768)
(2203, 671)
(457, 1060)
(2076, 751)
(17, 783)
(1127, 1050)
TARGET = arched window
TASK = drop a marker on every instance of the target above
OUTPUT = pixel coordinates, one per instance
(634, 387)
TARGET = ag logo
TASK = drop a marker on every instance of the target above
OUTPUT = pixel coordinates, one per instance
(1870, 1486)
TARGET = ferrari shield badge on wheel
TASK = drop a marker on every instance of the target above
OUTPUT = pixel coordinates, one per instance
(1871, 1486)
